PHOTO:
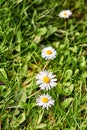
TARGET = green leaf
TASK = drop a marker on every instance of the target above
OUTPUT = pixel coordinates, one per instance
(33, 46)
(18, 48)
(68, 75)
(40, 117)
(19, 1)
(41, 31)
(56, 44)
(19, 37)
(2, 88)
(21, 118)
(60, 89)
(22, 98)
(72, 128)
(67, 91)
(51, 30)
(41, 126)
(66, 102)
(84, 75)
(66, 84)
(61, 60)
(37, 39)
(6, 92)
(1, 1)
(25, 69)
(3, 73)
(73, 49)
(84, 99)
(83, 62)
(38, 1)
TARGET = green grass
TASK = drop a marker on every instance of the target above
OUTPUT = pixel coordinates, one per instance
(25, 28)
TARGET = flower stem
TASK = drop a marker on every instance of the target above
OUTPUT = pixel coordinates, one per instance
(34, 93)
(47, 62)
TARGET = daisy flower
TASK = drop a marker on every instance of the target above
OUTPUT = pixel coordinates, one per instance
(46, 80)
(65, 14)
(49, 53)
(45, 101)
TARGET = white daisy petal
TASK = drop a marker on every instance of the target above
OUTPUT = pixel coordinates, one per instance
(52, 84)
(45, 101)
(46, 80)
(48, 53)
(65, 14)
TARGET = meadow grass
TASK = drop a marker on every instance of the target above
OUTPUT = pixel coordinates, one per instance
(26, 27)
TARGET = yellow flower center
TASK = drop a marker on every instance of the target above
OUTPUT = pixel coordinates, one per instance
(65, 14)
(44, 100)
(46, 79)
(49, 52)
